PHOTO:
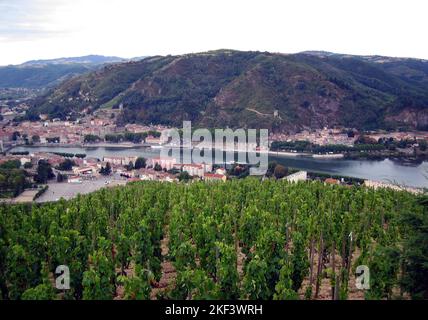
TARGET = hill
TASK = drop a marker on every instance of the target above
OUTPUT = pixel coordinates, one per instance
(36, 74)
(253, 89)
(90, 59)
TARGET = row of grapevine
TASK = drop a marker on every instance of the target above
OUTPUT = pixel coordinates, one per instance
(244, 239)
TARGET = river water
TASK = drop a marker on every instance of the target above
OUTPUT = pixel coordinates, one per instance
(415, 175)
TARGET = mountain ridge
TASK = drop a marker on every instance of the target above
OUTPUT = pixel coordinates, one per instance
(88, 59)
(38, 74)
(242, 88)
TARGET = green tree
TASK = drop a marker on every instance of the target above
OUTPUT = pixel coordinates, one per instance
(16, 135)
(11, 164)
(90, 138)
(67, 165)
(140, 163)
(280, 171)
(106, 171)
(44, 172)
(35, 139)
(184, 176)
(28, 165)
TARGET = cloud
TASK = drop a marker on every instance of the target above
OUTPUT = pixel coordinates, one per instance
(35, 29)
(23, 20)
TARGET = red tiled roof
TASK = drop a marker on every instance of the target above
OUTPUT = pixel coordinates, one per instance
(214, 175)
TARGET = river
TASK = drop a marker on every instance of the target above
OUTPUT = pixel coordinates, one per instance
(383, 170)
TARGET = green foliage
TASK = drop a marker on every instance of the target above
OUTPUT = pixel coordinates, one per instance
(19, 270)
(246, 239)
(53, 140)
(140, 163)
(44, 172)
(44, 291)
(137, 287)
(227, 274)
(10, 164)
(184, 176)
(106, 171)
(35, 139)
(255, 285)
(67, 165)
(194, 284)
(172, 89)
(61, 177)
(384, 265)
(423, 144)
(91, 138)
(280, 171)
(284, 288)
(37, 76)
(299, 261)
(415, 252)
(306, 146)
(98, 281)
(28, 165)
(12, 182)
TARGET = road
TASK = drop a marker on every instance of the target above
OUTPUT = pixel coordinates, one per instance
(67, 191)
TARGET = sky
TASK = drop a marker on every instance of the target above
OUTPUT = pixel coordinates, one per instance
(45, 29)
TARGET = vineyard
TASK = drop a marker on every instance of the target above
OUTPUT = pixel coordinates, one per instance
(244, 239)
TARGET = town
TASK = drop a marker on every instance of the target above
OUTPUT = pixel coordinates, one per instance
(49, 176)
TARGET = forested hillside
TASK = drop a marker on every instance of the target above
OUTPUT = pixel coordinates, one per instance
(37, 74)
(253, 89)
(243, 239)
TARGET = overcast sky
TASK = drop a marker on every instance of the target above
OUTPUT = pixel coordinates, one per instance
(41, 29)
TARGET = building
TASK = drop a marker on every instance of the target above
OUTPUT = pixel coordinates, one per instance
(165, 163)
(298, 176)
(25, 160)
(153, 140)
(331, 181)
(89, 170)
(194, 169)
(379, 185)
(221, 171)
(215, 177)
(120, 161)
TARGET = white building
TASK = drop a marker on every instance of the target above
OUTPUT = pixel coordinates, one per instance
(124, 161)
(379, 185)
(85, 170)
(194, 169)
(25, 160)
(165, 163)
(298, 176)
(221, 171)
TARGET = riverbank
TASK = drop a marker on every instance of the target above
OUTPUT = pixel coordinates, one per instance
(87, 145)
(387, 170)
